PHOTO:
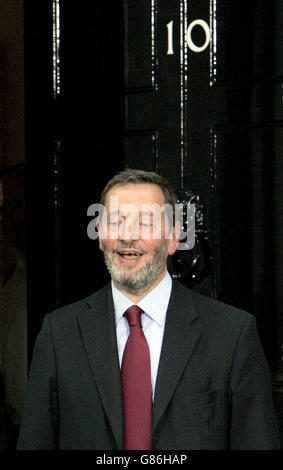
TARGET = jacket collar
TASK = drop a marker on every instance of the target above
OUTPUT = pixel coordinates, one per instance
(182, 332)
(98, 331)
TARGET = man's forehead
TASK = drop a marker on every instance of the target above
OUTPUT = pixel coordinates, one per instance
(140, 192)
(126, 209)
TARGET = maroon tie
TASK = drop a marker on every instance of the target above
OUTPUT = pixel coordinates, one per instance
(136, 383)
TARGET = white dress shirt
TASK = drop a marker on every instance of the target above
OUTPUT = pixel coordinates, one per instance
(154, 306)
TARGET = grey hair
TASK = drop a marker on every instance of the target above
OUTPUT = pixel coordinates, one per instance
(140, 176)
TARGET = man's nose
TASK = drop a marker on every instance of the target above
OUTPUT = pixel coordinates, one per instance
(129, 230)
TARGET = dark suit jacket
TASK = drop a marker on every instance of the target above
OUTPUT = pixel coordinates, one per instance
(212, 390)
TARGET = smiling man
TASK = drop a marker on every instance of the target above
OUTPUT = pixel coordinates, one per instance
(145, 363)
(135, 249)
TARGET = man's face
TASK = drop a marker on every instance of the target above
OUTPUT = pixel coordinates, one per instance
(134, 238)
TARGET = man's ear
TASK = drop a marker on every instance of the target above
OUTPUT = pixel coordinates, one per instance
(173, 242)
(99, 239)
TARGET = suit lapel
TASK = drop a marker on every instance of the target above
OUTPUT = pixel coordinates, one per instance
(181, 335)
(99, 336)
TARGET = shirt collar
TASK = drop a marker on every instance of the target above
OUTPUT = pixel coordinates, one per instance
(154, 304)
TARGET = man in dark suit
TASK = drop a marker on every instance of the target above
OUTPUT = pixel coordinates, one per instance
(209, 381)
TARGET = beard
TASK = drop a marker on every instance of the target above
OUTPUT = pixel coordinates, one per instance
(140, 281)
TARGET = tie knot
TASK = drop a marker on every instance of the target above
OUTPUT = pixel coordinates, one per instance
(133, 315)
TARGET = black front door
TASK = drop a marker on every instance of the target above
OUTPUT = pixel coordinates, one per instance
(191, 89)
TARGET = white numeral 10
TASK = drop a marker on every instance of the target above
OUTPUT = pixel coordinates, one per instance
(203, 24)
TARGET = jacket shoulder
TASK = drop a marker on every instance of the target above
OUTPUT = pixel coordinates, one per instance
(214, 310)
(67, 312)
